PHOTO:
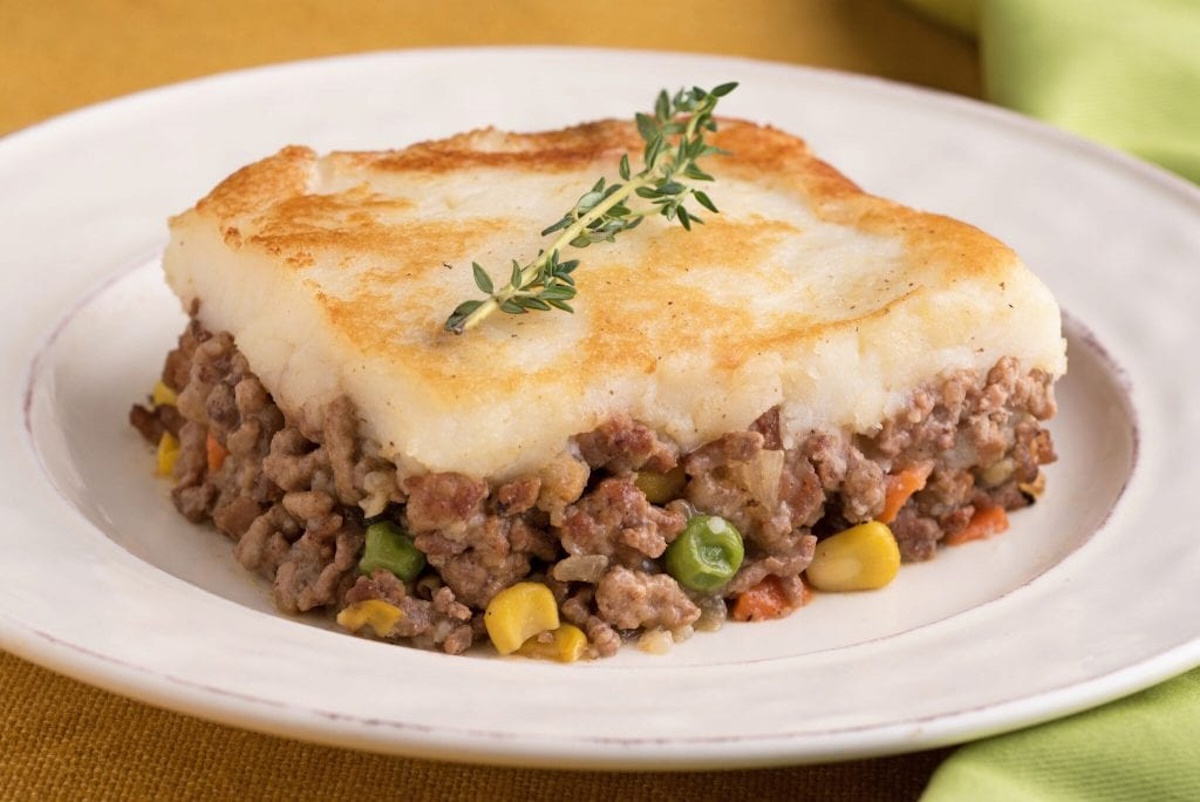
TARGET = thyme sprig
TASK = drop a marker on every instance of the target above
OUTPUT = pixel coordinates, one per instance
(674, 142)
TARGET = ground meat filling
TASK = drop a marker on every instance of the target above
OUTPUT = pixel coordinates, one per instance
(297, 495)
(616, 520)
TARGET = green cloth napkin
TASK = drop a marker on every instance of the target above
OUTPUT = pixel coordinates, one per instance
(1145, 747)
(1126, 73)
(1122, 72)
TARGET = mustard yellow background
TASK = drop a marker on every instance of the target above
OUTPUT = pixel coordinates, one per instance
(60, 739)
(57, 55)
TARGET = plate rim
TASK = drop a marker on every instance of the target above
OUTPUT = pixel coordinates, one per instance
(329, 728)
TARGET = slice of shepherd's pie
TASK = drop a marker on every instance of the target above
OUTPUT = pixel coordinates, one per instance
(808, 387)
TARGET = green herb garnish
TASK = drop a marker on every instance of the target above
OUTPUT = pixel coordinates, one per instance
(674, 142)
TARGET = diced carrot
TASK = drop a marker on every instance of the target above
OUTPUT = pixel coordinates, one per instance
(986, 521)
(216, 453)
(764, 601)
(899, 488)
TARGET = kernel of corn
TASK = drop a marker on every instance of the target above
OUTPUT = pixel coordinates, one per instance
(377, 614)
(863, 557)
(162, 395)
(517, 613)
(168, 454)
(565, 644)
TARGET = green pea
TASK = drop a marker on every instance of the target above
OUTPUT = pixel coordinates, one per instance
(389, 548)
(706, 555)
(660, 488)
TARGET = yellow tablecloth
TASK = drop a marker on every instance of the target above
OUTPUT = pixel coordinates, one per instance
(62, 739)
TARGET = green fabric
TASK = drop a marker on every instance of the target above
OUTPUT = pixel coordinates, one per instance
(1122, 72)
(1145, 747)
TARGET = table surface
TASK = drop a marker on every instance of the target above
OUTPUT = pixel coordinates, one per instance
(61, 738)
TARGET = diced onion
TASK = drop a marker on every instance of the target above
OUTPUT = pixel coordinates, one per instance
(580, 568)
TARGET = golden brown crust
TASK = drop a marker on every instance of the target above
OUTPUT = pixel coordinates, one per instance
(292, 220)
(261, 184)
(566, 149)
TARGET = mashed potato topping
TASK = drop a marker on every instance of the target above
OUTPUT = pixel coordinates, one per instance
(335, 273)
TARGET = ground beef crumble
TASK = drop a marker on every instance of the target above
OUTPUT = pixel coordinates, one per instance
(296, 499)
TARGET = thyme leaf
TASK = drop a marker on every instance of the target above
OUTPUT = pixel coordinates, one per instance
(674, 140)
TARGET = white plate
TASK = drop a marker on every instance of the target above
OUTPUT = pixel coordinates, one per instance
(1092, 594)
